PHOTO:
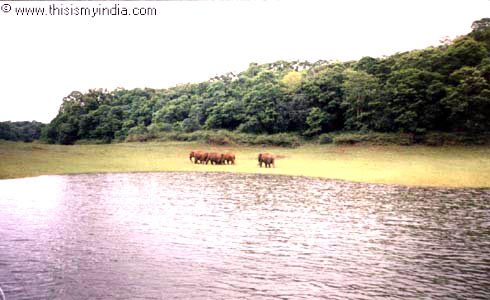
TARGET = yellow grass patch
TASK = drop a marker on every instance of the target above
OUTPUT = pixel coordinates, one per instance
(405, 165)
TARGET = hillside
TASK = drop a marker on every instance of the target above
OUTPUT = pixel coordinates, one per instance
(444, 88)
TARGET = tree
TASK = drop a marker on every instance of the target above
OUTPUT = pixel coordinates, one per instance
(174, 111)
(323, 89)
(360, 88)
(292, 81)
(468, 100)
(316, 120)
(443, 88)
(260, 105)
(228, 115)
(482, 24)
(465, 51)
(481, 32)
(412, 100)
(21, 131)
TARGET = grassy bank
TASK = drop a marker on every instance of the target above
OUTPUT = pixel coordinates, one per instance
(455, 166)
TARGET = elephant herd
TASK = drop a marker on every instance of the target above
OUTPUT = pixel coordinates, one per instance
(215, 158)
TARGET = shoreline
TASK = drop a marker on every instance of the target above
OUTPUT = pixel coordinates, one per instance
(263, 174)
(412, 166)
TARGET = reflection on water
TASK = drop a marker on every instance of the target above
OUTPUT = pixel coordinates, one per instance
(224, 236)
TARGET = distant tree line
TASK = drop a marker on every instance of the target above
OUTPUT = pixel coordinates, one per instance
(444, 88)
(21, 131)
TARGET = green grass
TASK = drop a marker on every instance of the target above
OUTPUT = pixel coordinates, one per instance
(455, 166)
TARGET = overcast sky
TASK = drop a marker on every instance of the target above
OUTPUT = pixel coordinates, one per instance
(44, 58)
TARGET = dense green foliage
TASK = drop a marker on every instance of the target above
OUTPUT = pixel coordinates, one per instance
(444, 88)
(20, 131)
(221, 137)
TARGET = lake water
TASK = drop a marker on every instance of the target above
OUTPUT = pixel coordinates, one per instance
(237, 236)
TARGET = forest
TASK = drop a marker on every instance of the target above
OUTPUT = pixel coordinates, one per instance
(25, 131)
(443, 88)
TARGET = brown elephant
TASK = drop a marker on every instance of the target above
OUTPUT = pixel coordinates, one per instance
(199, 156)
(267, 159)
(229, 158)
(215, 158)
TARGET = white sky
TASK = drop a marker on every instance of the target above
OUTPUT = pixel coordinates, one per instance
(45, 58)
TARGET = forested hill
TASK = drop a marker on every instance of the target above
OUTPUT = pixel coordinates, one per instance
(25, 131)
(444, 88)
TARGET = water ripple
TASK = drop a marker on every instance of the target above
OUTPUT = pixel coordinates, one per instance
(240, 236)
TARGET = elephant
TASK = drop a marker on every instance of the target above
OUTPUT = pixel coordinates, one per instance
(267, 159)
(199, 156)
(229, 158)
(215, 158)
